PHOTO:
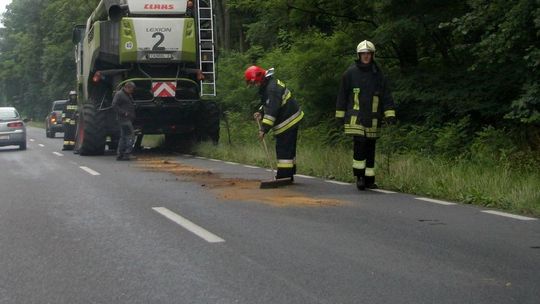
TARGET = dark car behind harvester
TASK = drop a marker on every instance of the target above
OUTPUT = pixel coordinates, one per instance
(53, 122)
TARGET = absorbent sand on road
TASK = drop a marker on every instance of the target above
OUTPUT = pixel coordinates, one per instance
(234, 189)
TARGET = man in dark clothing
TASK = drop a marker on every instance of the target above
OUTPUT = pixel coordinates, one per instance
(279, 112)
(363, 100)
(124, 106)
(69, 121)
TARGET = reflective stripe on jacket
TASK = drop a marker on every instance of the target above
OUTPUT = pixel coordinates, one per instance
(281, 111)
(69, 113)
(363, 100)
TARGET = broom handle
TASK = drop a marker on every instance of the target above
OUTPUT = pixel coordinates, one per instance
(266, 149)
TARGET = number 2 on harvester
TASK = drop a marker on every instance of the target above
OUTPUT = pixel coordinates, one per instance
(157, 46)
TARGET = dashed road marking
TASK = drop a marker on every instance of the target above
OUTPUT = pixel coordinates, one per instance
(305, 176)
(337, 183)
(435, 201)
(41, 145)
(383, 191)
(90, 171)
(251, 167)
(231, 163)
(31, 139)
(58, 154)
(190, 226)
(200, 157)
(517, 217)
(214, 160)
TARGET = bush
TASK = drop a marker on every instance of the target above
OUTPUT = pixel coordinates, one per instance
(492, 145)
(453, 139)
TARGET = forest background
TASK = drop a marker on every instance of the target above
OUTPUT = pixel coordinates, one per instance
(465, 76)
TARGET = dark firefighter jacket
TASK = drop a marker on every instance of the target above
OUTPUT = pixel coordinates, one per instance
(124, 106)
(363, 99)
(69, 114)
(281, 111)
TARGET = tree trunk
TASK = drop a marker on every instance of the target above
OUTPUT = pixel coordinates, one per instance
(223, 24)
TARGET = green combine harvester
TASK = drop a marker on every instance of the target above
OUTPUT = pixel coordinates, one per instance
(166, 47)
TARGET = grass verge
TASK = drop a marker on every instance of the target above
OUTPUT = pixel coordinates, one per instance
(36, 124)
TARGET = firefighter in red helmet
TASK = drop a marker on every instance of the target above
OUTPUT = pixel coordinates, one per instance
(279, 112)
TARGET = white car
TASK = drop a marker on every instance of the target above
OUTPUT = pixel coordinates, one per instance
(12, 128)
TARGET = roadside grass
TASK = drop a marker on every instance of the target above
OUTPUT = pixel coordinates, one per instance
(36, 124)
(462, 180)
(152, 141)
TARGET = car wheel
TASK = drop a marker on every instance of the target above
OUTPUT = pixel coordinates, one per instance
(22, 146)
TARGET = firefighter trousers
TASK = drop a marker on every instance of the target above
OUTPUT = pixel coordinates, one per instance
(286, 153)
(364, 158)
(69, 136)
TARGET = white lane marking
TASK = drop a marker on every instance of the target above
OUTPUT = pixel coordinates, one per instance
(200, 157)
(435, 201)
(337, 183)
(58, 154)
(517, 217)
(231, 163)
(251, 167)
(214, 160)
(305, 176)
(90, 171)
(190, 226)
(31, 139)
(41, 145)
(383, 191)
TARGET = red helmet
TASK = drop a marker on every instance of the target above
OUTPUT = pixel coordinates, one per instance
(254, 74)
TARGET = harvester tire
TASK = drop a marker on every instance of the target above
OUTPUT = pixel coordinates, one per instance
(208, 130)
(91, 131)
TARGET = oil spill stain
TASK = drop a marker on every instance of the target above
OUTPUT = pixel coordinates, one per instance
(234, 189)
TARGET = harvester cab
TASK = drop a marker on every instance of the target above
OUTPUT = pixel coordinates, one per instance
(166, 47)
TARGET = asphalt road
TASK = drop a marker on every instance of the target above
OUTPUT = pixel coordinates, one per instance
(93, 230)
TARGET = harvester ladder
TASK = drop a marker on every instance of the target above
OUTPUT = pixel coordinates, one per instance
(206, 47)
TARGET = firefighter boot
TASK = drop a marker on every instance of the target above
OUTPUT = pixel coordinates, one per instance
(360, 183)
(370, 182)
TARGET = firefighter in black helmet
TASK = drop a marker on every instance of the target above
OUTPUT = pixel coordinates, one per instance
(69, 121)
(364, 99)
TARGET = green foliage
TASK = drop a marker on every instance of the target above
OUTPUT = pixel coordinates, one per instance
(36, 53)
(452, 139)
(492, 145)
(446, 60)
(232, 90)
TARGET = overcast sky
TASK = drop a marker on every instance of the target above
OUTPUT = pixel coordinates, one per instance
(3, 4)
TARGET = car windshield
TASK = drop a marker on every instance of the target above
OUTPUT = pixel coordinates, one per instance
(8, 114)
(58, 106)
